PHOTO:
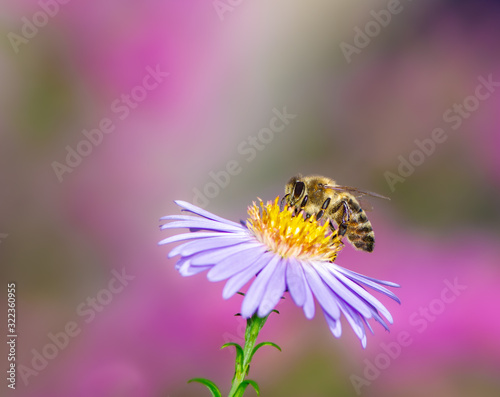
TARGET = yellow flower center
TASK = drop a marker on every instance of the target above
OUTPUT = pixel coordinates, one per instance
(292, 236)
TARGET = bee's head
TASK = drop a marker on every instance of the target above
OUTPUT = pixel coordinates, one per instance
(295, 189)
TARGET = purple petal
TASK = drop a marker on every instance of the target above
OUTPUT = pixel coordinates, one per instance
(214, 256)
(197, 210)
(256, 291)
(309, 307)
(366, 323)
(342, 291)
(353, 319)
(182, 266)
(193, 236)
(322, 292)
(363, 341)
(370, 282)
(191, 270)
(274, 290)
(202, 224)
(380, 320)
(334, 325)
(180, 262)
(237, 281)
(180, 217)
(195, 246)
(365, 295)
(295, 281)
(236, 263)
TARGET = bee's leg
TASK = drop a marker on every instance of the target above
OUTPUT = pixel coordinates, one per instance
(345, 219)
(323, 208)
(299, 208)
(326, 204)
(283, 199)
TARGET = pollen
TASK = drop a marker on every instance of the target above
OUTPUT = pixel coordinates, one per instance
(290, 235)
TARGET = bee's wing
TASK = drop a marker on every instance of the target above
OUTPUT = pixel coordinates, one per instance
(365, 204)
(356, 192)
(359, 194)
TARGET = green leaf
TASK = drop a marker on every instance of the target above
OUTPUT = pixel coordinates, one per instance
(263, 344)
(239, 353)
(208, 383)
(243, 385)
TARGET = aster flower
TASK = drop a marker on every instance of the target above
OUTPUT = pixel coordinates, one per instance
(279, 253)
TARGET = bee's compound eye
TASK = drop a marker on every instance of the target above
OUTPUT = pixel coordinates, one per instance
(298, 189)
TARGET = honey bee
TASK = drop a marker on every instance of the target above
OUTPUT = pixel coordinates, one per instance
(315, 194)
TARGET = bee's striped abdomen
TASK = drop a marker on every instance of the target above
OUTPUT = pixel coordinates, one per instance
(359, 230)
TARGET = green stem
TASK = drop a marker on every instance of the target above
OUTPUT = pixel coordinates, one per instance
(254, 325)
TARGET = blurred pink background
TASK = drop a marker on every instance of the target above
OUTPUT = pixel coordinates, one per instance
(228, 67)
